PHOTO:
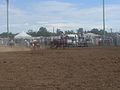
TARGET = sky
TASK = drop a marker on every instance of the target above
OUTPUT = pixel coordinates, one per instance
(63, 14)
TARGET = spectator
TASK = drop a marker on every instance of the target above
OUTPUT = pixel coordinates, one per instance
(26, 43)
(62, 36)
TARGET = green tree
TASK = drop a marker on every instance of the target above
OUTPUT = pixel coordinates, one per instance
(43, 32)
(101, 32)
(5, 35)
(69, 32)
(59, 32)
(32, 33)
(95, 31)
(80, 30)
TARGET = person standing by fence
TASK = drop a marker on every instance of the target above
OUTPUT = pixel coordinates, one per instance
(27, 43)
(115, 41)
(62, 36)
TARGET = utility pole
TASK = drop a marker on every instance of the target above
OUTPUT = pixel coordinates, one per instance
(53, 30)
(7, 18)
(104, 36)
(111, 30)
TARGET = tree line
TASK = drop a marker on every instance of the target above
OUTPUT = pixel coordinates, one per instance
(44, 32)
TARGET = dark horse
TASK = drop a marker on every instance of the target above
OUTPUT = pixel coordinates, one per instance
(59, 43)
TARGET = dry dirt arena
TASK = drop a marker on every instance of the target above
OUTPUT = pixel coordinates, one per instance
(90, 68)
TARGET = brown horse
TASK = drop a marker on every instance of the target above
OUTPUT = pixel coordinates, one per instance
(58, 43)
(35, 44)
(11, 44)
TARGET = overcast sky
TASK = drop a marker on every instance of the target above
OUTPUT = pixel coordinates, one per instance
(63, 14)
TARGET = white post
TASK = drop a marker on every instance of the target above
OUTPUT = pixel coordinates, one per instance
(7, 18)
(104, 21)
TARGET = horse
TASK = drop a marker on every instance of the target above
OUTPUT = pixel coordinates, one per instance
(58, 43)
(35, 44)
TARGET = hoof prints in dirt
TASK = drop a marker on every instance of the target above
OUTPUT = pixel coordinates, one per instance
(71, 69)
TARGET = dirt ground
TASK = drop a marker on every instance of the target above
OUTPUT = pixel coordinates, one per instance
(91, 68)
(13, 49)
